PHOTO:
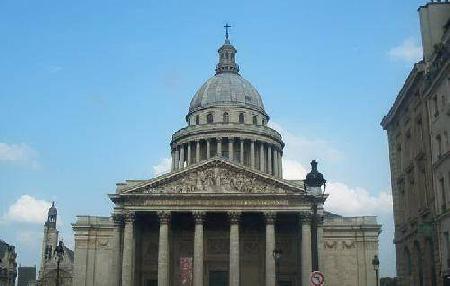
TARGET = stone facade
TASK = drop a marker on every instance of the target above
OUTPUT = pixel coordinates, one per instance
(417, 126)
(49, 258)
(8, 265)
(224, 215)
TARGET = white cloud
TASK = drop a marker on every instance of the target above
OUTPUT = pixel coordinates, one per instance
(305, 149)
(293, 170)
(409, 51)
(162, 167)
(28, 209)
(355, 201)
(20, 153)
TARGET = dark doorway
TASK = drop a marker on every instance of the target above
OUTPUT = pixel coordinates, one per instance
(285, 283)
(218, 278)
(151, 282)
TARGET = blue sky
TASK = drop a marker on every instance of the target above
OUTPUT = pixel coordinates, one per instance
(90, 93)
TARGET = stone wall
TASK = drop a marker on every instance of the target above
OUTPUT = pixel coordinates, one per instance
(350, 243)
(94, 251)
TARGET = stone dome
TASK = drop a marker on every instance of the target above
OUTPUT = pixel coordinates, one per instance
(227, 88)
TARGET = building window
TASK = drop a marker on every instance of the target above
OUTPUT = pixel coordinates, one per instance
(255, 120)
(209, 118)
(447, 248)
(197, 120)
(226, 118)
(408, 261)
(443, 194)
(241, 117)
(435, 106)
(439, 146)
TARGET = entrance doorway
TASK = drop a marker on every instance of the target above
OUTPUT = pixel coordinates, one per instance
(218, 278)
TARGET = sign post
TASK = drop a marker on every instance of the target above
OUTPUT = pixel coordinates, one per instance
(316, 278)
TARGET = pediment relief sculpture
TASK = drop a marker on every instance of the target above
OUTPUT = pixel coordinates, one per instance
(215, 179)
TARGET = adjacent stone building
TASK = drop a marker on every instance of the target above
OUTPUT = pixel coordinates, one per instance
(8, 264)
(417, 126)
(224, 215)
(26, 276)
(49, 255)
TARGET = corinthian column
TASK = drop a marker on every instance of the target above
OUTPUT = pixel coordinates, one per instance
(198, 248)
(306, 259)
(128, 250)
(197, 151)
(173, 158)
(262, 166)
(163, 250)
(189, 153)
(177, 159)
(208, 148)
(252, 154)
(230, 148)
(280, 164)
(269, 159)
(181, 156)
(117, 245)
(275, 162)
(241, 159)
(234, 247)
(270, 247)
(219, 146)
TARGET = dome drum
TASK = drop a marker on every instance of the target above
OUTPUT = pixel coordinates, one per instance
(226, 118)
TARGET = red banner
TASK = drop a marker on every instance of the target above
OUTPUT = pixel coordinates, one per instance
(186, 271)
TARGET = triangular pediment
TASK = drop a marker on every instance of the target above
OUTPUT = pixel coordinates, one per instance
(216, 175)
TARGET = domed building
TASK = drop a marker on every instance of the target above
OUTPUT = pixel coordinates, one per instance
(224, 215)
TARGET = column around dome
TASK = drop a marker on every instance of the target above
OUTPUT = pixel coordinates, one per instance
(269, 159)
(241, 151)
(230, 148)
(219, 146)
(197, 151)
(208, 148)
(252, 153)
(181, 162)
(275, 162)
(189, 154)
(261, 157)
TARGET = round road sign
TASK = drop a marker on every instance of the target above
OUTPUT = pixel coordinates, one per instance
(316, 278)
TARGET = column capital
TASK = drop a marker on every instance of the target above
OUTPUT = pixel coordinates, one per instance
(219, 139)
(270, 217)
(305, 217)
(318, 219)
(199, 216)
(231, 139)
(164, 217)
(118, 218)
(234, 217)
(129, 217)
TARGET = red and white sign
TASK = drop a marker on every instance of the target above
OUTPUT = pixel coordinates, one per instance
(316, 278)
(186, 271)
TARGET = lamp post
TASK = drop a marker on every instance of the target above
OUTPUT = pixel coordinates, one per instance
(277, 256)
(59, 250)
(313, 183)
(376, 266)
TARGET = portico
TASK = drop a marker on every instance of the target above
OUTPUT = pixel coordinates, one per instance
(257, 246)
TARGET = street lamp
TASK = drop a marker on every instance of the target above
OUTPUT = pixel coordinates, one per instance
(59, 250)
(313, 182)
(277, 256)
(376, 266)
